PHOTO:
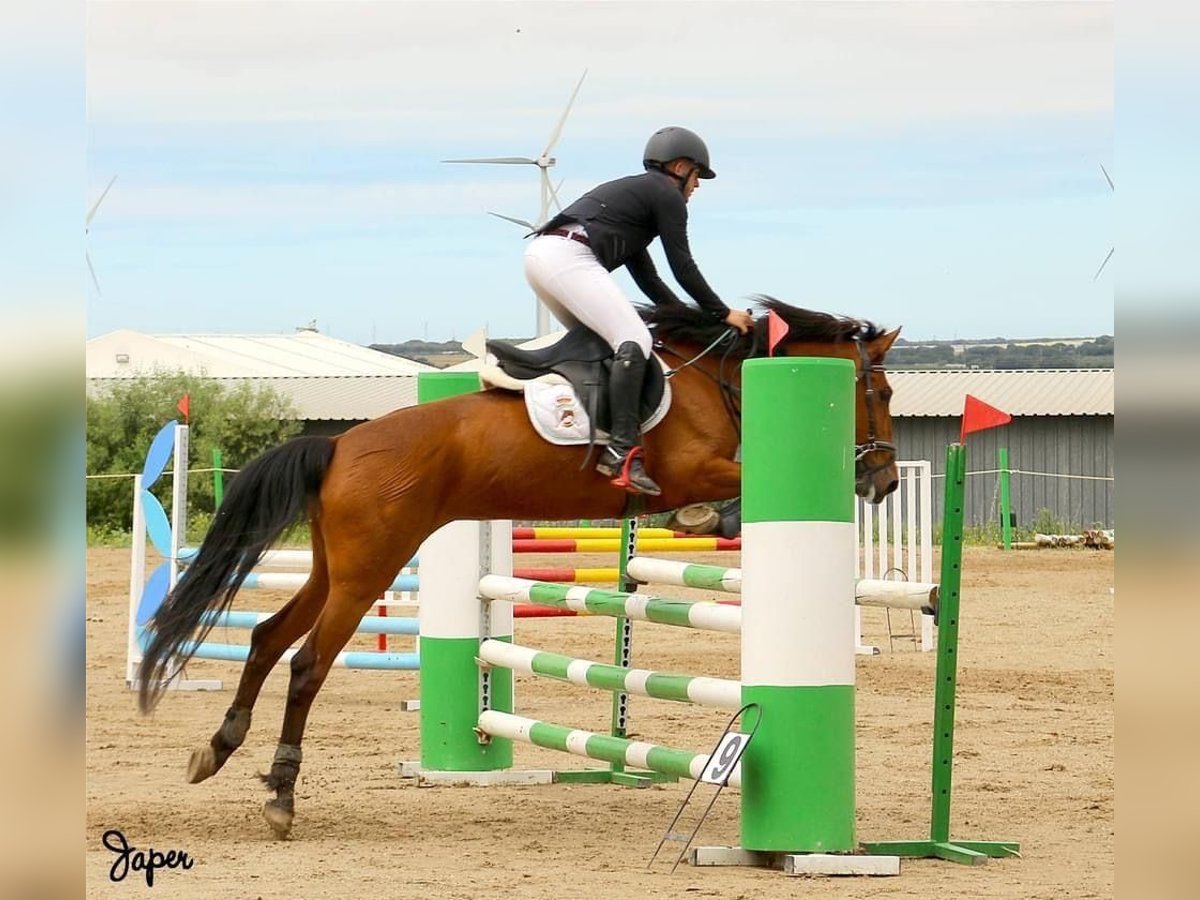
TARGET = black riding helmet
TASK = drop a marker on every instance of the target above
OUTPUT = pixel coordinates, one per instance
(673, 142)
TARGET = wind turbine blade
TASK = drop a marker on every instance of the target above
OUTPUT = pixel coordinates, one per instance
(1103, 264)
(505, 160)
(95, 206)
(95, 280)
(554, 192)
(1106, 178)
(551, 192)
(557, 132)
(528, 225)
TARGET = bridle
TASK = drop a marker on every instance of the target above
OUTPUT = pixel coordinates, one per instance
(866, 370)
(731, 393)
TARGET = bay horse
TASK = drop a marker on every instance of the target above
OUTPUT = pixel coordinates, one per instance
(373, 494)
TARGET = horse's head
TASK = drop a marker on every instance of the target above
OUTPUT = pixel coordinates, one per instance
(694, 336)
(865, 344)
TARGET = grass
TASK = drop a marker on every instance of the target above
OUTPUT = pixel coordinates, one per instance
(102, 536)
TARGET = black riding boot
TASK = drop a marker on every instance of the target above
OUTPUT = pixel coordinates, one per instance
(621, 460)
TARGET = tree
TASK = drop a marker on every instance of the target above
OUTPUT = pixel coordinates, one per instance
(122, 421)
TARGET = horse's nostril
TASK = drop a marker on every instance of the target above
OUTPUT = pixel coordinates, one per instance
(892, 485)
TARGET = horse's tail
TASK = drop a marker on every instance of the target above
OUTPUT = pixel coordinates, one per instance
(270, 494)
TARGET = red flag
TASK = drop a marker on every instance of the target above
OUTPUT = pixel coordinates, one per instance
(184, 406)
(978, 416)
(777, 330)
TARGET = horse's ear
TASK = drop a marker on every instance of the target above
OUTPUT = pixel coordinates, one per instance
(882, 344)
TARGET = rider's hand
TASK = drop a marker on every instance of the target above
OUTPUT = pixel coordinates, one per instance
(740, 319)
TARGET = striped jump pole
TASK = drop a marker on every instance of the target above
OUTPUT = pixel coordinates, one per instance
(346, 659)
(600, 575)
(285, 559)
(647, 570)
(604, 602)
(613, 545)
(915, 595)
(720, 693)
(619, 751)
(798, 604)
(453, 689)
(558, 532)
(293, 581)
(368, 624)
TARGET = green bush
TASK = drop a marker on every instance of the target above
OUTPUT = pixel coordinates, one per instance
(242, 422)
(1045, 522)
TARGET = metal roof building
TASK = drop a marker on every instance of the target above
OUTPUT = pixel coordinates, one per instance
(1060, 441)
(1020, 392)
(332, 383)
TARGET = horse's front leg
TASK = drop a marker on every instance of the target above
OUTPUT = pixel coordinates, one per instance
(714, 478)
(725, 475)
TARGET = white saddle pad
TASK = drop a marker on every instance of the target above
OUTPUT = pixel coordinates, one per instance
(555, 411)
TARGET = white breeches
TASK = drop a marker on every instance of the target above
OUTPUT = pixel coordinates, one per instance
(578, 290)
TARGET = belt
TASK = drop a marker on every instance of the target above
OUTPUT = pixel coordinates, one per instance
(573, 235)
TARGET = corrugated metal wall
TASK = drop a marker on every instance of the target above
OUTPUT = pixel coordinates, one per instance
(1059, 445)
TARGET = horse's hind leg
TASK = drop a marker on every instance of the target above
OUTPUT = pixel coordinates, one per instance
(310, 666)
(268, 642)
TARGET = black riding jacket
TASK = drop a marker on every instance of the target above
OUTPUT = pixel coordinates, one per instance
(623, 216)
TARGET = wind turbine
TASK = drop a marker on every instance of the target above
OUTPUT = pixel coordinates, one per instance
(548, 191)
(87, 224)
(1112, 249)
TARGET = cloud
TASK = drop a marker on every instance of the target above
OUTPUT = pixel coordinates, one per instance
(329, 203)
(463, 68)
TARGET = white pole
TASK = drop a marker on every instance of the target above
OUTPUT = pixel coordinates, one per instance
(137, 578)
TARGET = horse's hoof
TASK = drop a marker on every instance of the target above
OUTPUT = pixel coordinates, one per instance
(203, 764)
(279, 817)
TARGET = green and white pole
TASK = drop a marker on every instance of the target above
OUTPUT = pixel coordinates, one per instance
(798, 555)
(452, 561)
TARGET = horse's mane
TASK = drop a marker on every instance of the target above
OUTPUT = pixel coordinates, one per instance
(682, 322)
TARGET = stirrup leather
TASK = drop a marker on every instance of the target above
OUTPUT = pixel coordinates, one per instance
(610, 462)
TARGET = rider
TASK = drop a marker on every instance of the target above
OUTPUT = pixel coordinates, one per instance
(610, 226)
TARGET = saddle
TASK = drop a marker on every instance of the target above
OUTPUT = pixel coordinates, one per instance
(579, 360)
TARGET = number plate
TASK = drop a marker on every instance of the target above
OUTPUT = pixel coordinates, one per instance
(725, 758)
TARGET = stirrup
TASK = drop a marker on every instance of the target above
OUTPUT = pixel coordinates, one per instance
(633, 477)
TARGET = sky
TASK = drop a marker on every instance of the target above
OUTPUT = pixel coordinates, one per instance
(931, 165)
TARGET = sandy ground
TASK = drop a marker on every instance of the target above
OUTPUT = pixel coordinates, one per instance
(1033, 763)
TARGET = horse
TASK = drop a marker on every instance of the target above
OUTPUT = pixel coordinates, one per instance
(374, 493)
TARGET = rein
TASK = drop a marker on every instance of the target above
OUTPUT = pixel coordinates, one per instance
(720, 337)
(730, 393)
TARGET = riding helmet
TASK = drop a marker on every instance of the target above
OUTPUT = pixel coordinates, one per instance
(673, 142)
